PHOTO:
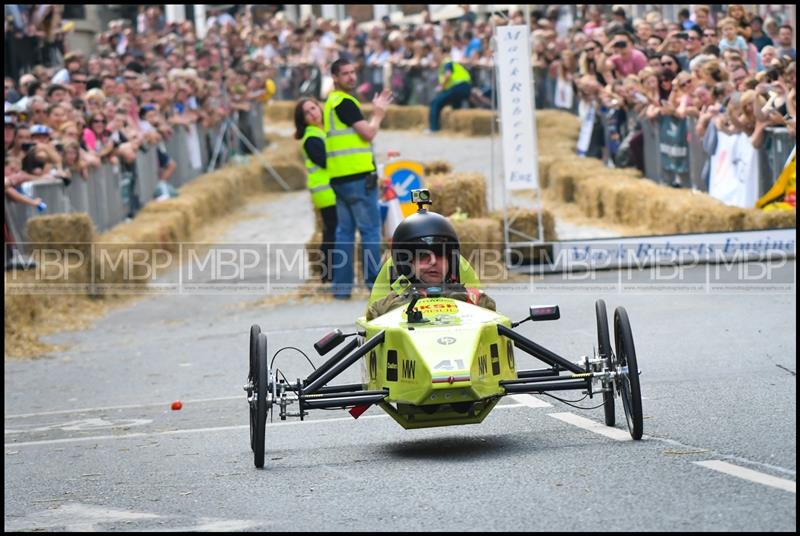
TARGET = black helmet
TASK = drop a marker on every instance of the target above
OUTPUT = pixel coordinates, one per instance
(425, 231)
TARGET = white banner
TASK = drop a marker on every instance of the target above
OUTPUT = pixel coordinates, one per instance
(516, 106)
(683, 249)
(734, 171)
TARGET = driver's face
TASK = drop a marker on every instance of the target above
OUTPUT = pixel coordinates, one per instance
(430, 268)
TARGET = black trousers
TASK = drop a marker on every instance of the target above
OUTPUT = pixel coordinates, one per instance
(328, 240)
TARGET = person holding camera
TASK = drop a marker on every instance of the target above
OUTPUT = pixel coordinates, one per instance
(625, 58)
(354, 179)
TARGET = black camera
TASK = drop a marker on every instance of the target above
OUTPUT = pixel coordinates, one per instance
(28, 146)
(682, 35)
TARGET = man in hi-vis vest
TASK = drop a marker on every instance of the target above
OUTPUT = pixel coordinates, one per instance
(351, 167)
(455, 86)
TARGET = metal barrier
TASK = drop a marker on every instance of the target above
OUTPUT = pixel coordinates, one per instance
(16, 214)
(774, 152)
(101, 194)
(78, 193)
(673, 148)
(179, 151)
(146, 174)
(652, 154)
(697, 156)
(53, 193)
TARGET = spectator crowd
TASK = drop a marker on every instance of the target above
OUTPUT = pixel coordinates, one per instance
(67, 112)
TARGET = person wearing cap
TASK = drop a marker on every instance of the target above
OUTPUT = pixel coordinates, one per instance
(9, 132)
(425, 261)
(72, 64)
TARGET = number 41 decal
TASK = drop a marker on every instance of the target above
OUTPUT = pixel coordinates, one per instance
(448, 365)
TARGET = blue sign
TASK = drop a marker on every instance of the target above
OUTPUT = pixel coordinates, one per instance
(405, 180)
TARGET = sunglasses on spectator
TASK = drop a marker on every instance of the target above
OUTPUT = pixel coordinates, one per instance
(591, 49)
(684, 84)
(79, 80)
(98, 120)
(692, 38)
(667, 63)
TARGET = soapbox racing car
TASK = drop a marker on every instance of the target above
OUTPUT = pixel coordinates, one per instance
(440, 362)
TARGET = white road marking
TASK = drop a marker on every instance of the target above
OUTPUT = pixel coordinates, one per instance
(76, 517)
(83, 424)
(749, 474)
(592, 426)
(531, 401)
(204, 430)
(131, 406)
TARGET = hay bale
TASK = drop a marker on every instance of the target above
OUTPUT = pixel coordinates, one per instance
(62, 246)
(405, 117)
(469, 122)
(526, 220)
(481, 241)
(292, 173)
(770, 219)
(453, 192)
(276, 110)
(436, 167)
(545, 162)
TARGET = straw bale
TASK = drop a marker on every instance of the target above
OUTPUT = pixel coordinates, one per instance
(770, 219)
(276, 110)
(545, 161)
(453, 192)
(558, 120)
(436, 167)
(64, 241)
(526, 220)
(481, 241)
(405, 117)
(563, 176)
(292, 173)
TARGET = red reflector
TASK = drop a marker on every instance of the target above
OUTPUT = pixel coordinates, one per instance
(356, 411)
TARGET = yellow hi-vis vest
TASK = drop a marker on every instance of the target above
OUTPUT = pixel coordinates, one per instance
(347, 153)
(460, 74)
(318, 181)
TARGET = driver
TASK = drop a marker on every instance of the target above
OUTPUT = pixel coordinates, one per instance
(426, 260)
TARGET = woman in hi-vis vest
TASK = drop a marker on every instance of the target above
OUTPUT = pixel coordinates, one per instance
(308, 125)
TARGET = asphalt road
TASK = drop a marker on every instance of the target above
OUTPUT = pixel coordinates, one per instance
(91, 442)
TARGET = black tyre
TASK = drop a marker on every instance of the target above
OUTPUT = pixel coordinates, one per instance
(604, 349)
(261, 390)
(255, 329)
(629, 382)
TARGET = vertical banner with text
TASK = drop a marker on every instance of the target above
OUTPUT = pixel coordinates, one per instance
(516, 103)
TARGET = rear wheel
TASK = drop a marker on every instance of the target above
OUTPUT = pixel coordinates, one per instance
(604, 349)
(255, 329)
(628, 379)
(261, 390)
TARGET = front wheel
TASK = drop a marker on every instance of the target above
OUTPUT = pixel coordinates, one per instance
(261, 390)
(255, 329)
(628, 370)
(604, 349)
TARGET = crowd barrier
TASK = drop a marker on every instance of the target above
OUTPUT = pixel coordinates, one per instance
(755, 169)
(106, 195)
